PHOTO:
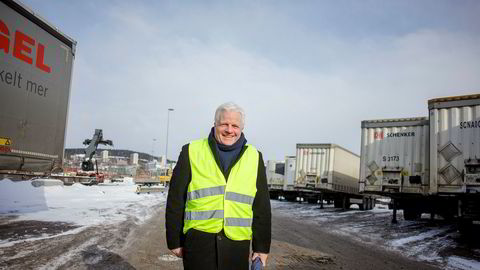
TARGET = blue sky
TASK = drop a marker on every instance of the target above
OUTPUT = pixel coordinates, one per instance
(304, 71)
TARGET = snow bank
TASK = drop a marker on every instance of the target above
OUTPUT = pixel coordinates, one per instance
(79, 204)
(46, 182)
(21, 197)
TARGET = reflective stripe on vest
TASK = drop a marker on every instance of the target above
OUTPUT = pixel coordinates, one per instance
(240, 222)
(241, 198)
(214, 204)
(204, 215)
(196, 194)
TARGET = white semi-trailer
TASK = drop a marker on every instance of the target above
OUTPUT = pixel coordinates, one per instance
(35, 79)
(280, 178)
(275, 171)
(326, 171)
(427, 165)
(455, 155)
(394, 161)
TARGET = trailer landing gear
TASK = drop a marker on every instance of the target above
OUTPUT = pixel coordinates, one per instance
(394, 216)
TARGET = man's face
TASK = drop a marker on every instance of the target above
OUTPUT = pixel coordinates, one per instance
(229, 128)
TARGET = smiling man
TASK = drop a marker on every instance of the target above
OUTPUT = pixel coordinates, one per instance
(218, 200)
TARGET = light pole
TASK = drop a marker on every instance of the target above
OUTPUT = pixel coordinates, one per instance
(166, 147)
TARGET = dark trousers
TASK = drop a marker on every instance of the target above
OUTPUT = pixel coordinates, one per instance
(208, 251)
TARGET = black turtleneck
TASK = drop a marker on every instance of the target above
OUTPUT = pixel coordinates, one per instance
(228, 153)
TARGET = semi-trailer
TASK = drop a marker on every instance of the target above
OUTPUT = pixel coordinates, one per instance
(280, 178)
(275, 177)
(455, 156)
(35, 79)
(427, 165)
(326, 171)
(394, 161)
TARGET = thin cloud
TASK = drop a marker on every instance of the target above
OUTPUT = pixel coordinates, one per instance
(299, 77)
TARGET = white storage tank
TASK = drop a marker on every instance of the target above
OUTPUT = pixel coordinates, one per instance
(455, 144)
(394, 156)
(326, 167)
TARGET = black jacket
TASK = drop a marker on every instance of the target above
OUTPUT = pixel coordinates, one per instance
(177, 196)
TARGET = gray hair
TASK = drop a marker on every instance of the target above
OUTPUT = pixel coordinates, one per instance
(229, 107)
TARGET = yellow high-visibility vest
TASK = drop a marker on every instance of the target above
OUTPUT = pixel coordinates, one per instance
(213, 203)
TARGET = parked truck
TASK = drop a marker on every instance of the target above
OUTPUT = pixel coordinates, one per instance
(36, 72)
(329, 172)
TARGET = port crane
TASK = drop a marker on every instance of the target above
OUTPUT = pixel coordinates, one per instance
(87, 164)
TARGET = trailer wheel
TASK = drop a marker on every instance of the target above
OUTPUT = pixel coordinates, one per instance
(290, 198)
(312, 200)
(411, 214)
(273, 195)
(365, 205)
(465, 227)
(337, 203)
(369, 203)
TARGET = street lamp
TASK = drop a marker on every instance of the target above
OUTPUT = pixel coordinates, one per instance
(166, 147)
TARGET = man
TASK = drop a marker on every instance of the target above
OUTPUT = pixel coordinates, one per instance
(218, 199)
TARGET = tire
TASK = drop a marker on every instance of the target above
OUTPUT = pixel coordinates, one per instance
(290, 198)
(365, 205)
(337, 204)
(465, 227)
(411, 214)
(312, 200)
(372, 203)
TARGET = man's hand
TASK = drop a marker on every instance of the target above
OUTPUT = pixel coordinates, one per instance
(263, 257)
(178, 252)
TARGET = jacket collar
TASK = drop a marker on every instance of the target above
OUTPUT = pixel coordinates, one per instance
(212, 142)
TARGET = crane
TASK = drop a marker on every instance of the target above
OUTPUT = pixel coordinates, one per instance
(87, 164)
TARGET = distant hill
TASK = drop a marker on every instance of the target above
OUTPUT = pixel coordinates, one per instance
(111, 152)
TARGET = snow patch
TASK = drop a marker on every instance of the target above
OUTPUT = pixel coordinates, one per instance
(168, 258)
(46, 182)
(7, 243)
(415, 238)
(422, 240)
(79, 204)
(67, 256)
(21, 197)
(455, 262)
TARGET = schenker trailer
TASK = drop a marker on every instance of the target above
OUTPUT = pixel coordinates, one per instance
(394, 161)
(35, 80)
(427, 165)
